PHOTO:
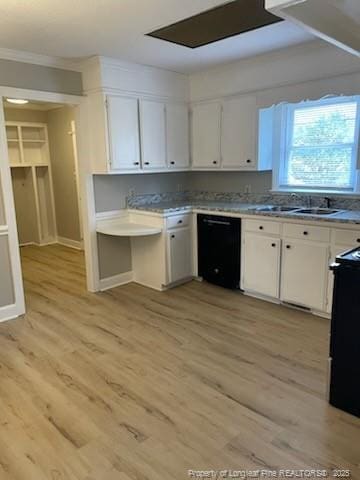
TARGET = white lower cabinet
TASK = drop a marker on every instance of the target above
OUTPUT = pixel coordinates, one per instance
(261, 264)
(304, 273)
(179, 254)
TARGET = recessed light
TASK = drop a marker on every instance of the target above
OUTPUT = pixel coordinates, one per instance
(17, 101)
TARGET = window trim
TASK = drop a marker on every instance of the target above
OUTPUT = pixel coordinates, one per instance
(281, 141)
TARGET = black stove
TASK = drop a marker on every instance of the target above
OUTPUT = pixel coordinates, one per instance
(345, 333)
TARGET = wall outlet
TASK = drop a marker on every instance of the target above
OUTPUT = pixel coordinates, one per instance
(247, 189)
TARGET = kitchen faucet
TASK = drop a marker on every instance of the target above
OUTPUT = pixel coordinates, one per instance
(328, 202)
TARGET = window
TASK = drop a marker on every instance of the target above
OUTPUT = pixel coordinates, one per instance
(316, 144)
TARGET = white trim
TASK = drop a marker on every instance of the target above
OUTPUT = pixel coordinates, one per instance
(112, 214)
(116, 280)
(37, 59)
(86, 185)
(9, 312)
(76, 172)
(282, 144)
(41, 96)
(69, 242)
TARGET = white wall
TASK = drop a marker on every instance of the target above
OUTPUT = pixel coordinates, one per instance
(312, 68)
(116, 76)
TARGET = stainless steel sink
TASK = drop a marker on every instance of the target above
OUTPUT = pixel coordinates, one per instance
(317, 211)
(275, 208)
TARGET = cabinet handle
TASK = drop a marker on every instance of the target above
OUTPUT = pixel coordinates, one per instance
(248, 160)
(288, 247)
(136, 163)
(172, 163)
(273, 244)
(306, 233)
(146, 163)
(180, 221)
(261, 227)
(214, 162)
(358, 240)
(172, 236)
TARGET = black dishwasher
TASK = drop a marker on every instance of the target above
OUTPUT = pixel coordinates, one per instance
(219, 240)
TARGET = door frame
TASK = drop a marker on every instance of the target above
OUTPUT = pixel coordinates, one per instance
(86, 189)
(77, 176)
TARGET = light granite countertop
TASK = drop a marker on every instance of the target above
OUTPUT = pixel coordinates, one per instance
(343, 216)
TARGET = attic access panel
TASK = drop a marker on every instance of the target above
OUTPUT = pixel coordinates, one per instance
(232, 18)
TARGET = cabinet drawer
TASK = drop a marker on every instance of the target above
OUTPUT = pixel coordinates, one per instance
(347, 237)
(263, 226)
(306, 232)
(176, 221)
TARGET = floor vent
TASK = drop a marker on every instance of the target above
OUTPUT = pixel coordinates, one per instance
(296, 306)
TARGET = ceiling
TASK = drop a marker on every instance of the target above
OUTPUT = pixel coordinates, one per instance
(117, 28)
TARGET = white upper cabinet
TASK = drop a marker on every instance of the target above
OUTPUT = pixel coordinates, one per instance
(206, 120)
(123, 129)
(238, 133)
(152, 134)
(225, 136)
(177, 136)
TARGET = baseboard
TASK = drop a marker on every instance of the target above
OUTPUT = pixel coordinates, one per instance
(10, 312)
(116, 281)
(68, 242)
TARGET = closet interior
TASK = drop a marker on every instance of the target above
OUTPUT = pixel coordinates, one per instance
(29, 158)
(43, 172)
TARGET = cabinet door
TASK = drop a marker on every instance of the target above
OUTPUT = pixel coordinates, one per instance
(152, 129)
(179, 254)
(123, 127)
(238, 133)
(304, 273)
(177, 136)
(206, 135)
(261, 264)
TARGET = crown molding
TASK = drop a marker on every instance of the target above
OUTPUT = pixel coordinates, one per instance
(37, 59)
(135, 67)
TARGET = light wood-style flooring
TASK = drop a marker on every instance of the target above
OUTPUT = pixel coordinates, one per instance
(133, 384)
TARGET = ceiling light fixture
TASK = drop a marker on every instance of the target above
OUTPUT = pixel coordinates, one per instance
(17, 101)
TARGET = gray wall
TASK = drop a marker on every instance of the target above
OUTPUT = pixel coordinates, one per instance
(2, 210)
(63, 168)
(114, 255)
(111, 190)
(259, 182)
(38, 77)
(6, 282)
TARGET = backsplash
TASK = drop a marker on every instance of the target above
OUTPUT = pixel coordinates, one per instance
(336, 201)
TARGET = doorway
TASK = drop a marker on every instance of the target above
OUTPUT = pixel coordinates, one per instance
(43, 161)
